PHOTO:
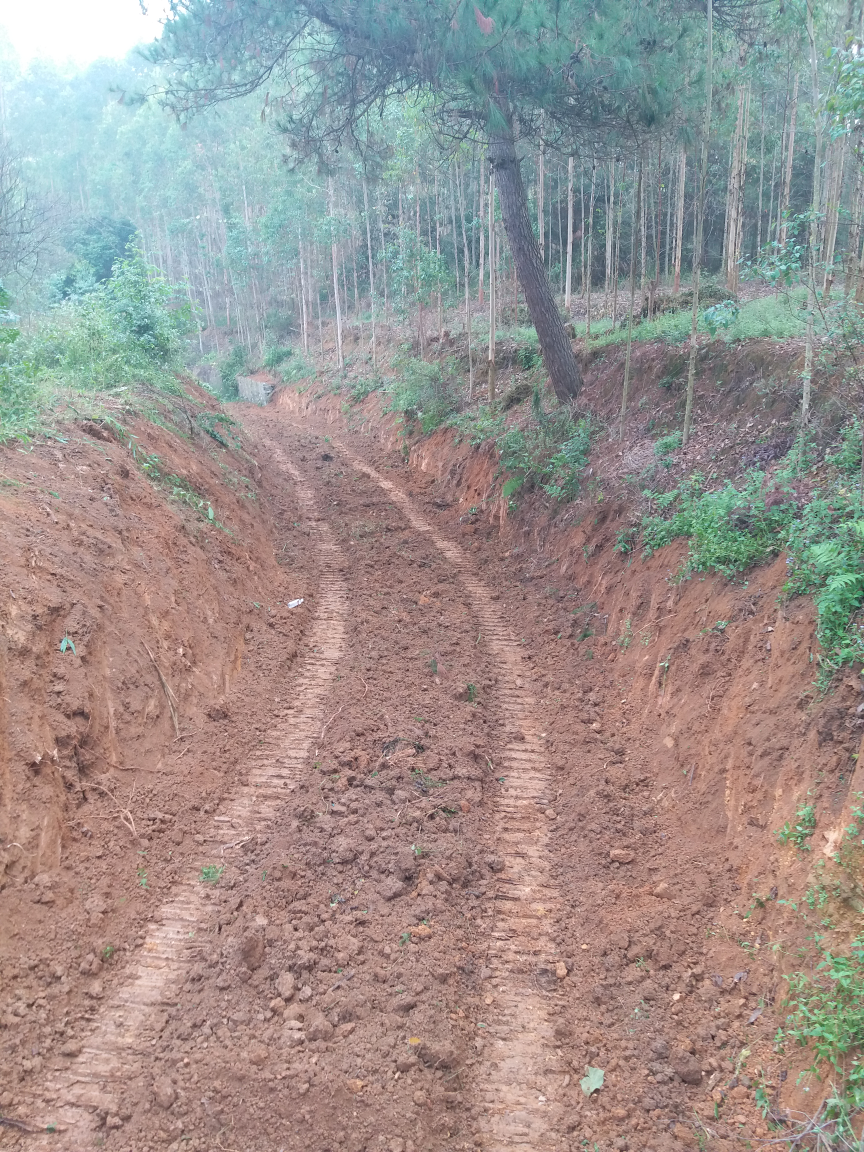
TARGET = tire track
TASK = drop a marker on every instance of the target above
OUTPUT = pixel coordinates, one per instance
(520, 1054)
(118, 1049)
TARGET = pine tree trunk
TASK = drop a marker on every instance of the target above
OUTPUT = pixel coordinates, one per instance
(668, 220)
(700, 223)
(383, 259)
(560, 240)
(555, 346)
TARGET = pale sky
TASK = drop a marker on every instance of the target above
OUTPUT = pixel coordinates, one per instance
(78, 31)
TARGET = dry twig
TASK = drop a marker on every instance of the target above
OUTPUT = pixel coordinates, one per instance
(169, 693)
(124, 813)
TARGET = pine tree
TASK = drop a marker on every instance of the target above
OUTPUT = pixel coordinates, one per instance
(329, 69)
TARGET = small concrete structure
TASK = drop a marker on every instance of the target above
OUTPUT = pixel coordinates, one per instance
(254, 389)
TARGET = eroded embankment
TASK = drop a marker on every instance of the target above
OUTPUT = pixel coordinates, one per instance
(684, 730)
(137, 575)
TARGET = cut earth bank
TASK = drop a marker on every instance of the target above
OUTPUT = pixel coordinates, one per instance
(330, 925)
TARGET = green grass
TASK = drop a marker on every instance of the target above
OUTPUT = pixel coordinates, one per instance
(775, 317)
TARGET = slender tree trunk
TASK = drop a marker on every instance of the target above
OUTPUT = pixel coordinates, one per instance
(679, 219)
(541, 207)
(637, 215)
(560, 240)
(807, 374)
(617, 256)
(582, 227)
(371, 271)
(761, 174)
(700, 223)
(492, 287)
(303, 317)
(453, 215)
(558, 356)
(857, 206)
(383, 259)
(610, 230)
(790, 153)
(334, 251)
(657, 229)
(467, 285)
(482, 219)
(590, 249)
(568, 289)
(832, 210)
(668, 240)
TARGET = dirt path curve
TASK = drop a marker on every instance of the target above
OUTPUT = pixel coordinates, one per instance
(118, 1047)
(511, 1081)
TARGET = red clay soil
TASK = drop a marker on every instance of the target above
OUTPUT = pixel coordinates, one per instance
(488, 808)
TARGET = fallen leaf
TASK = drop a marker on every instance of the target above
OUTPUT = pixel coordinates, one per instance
(592, 1081)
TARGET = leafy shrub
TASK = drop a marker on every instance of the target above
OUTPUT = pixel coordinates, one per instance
(423, 392)
(729, 529)
(550, 453)
(666, 445)
(827, 1015)
(799, 832)
(363, 387)
(273, 357)
(126, 331)
(847, 457)
(233, 364)
(298, 368)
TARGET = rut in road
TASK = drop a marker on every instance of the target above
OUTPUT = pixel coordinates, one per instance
(117, 1049)
(509, 1083)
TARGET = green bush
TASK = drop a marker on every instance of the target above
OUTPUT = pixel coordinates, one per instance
(124, 332)
(729, 529)
(827, 1016)
(424, 392)
(275, 356)
(233, 364)
(550, 453)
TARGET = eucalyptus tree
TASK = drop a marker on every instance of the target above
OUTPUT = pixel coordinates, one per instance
(569, 70)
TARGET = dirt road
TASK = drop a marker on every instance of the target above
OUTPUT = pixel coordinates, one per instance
(422, 911)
